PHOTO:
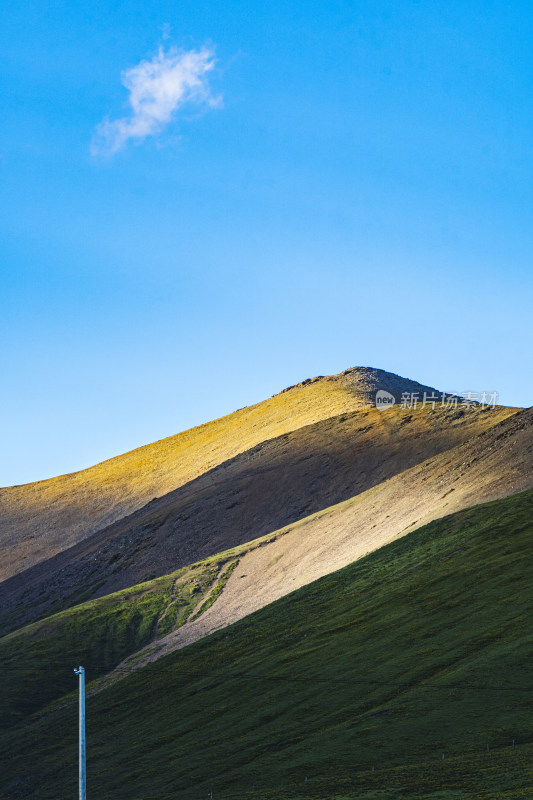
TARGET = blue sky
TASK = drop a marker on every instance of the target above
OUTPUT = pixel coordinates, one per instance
(350, 183)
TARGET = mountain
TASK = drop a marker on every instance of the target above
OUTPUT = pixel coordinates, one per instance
(265, 602)
(39, 520)
(259, 491)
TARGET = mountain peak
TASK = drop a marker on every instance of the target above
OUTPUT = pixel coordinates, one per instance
(366, 381)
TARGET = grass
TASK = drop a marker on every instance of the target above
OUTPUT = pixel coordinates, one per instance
(101, 632)
(420, 648)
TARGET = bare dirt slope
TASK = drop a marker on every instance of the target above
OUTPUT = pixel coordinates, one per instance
(275, 483)
(496, 464)
(41, 519)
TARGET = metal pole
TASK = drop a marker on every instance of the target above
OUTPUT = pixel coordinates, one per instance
(83, 791)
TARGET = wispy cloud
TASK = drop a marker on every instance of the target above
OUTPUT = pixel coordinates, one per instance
(158, 88)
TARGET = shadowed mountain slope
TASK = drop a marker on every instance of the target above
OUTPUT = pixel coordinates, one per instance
(41, 519)
(274, 484)
(353, 686)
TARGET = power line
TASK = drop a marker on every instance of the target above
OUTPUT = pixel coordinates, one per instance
(284, 678)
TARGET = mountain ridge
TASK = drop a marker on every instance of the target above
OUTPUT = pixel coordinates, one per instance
(38, 520)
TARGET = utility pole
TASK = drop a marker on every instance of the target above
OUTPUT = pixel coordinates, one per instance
(83, 792)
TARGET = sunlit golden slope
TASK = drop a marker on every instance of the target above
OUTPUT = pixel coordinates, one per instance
(38, 520)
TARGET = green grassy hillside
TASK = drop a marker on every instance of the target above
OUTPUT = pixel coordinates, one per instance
(101, 632)
(359, 682)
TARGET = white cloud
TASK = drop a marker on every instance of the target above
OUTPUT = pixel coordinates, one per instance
(157, 89)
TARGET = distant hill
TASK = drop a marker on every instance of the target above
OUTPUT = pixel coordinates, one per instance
(276, 483)
(39, 520)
